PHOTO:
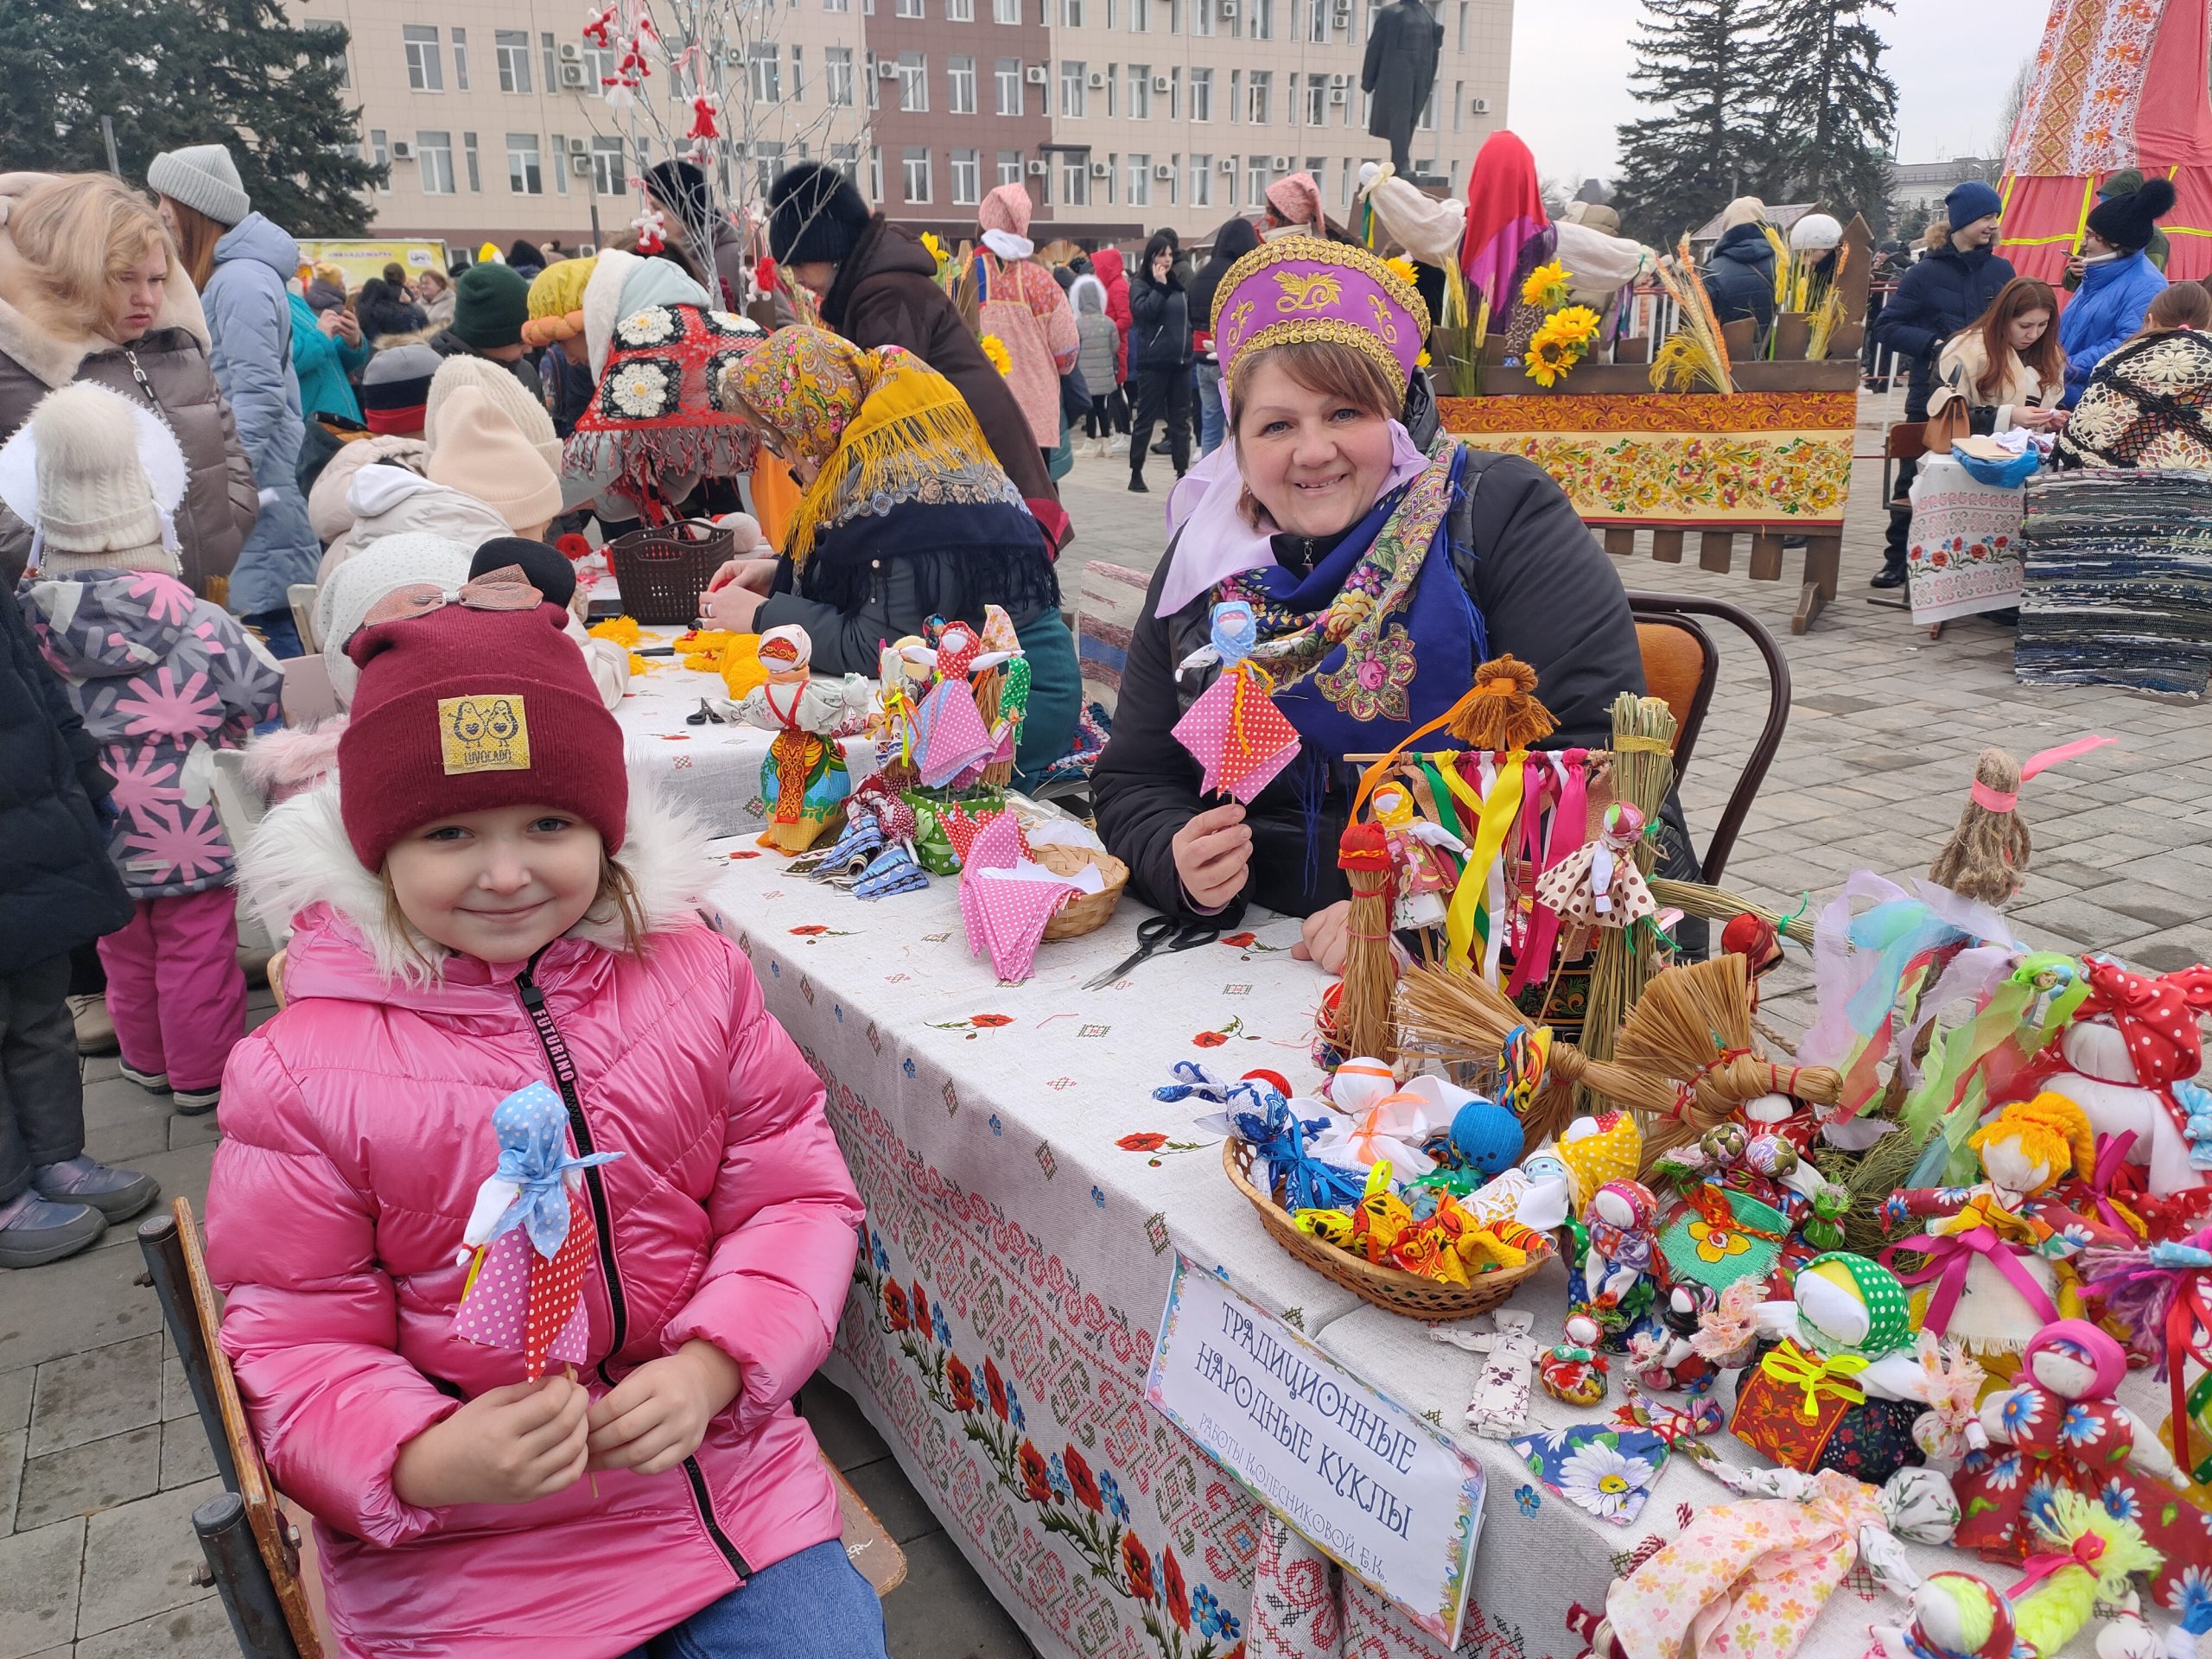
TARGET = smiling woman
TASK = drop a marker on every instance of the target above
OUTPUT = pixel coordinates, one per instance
(1381, 560)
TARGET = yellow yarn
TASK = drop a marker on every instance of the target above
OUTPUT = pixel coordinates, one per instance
(559, 288)
(2051, 1130)
(2051, 1614)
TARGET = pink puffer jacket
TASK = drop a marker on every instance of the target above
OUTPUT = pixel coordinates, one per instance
(356, 1127)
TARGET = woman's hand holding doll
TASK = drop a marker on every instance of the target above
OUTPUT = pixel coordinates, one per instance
(656, 1416)
(509, 1445)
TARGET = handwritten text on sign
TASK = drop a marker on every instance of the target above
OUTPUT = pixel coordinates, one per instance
(1387, 1495)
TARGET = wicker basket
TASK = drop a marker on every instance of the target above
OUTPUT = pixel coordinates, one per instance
(661, 571)
(1391, 1289)
(1087, 911)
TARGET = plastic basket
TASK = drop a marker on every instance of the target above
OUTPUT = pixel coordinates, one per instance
(661, 571)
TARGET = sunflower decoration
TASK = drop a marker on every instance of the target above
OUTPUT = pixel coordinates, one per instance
(1401, 268)
(1546, 286)
(1562, 340)
(936, 248)
(994, 348)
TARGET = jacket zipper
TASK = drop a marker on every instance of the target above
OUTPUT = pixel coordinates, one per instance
(564, 1076)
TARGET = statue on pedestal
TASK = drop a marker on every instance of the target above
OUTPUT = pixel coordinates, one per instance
(1401, 72)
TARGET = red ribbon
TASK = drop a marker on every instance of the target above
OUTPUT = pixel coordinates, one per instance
(2088, 1550)
(1949, 1255)
(2110, 1169)
(2187, 1317)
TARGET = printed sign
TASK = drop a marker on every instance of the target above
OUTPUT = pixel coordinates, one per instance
(362, 257)
(1388, 1497)
(487, 734)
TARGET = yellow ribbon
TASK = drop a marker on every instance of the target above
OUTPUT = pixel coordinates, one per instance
(1494, 814)
(1791, 1367)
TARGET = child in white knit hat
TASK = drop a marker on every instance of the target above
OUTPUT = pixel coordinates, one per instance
(161, 678)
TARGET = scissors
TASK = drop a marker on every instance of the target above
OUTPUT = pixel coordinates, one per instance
(1155, 934)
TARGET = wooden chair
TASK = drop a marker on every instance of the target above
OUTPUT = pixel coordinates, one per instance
(260, 1550)
(1904, 442)
(299, 596)
(1682, 664)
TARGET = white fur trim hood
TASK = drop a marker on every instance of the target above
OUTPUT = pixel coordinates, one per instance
(299, 855)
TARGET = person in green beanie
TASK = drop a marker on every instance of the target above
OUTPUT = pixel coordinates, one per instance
(491, 303)
(2126, 182)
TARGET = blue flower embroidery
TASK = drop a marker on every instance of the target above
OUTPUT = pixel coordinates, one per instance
(1098, 1197)
(997, 1128)
(1528, 1498)
(1111, 1489)
(1060, 1478)
(939, 1327)
(908, 1067)
(1013, 1408)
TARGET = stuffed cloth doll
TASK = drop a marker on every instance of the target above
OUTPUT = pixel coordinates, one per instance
(1610, 1253)
(804, 779)
(1425, 859)
(1599, 885)
(1747, 1579)
(1499, 1406)
(1954, 1616)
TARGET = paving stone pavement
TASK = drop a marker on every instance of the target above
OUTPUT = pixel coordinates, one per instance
(102, 1459)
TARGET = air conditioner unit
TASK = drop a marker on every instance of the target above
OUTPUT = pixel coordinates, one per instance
(401, 150)
(1160, 83)
(733, 56)
(1228, 164)
(581, 166)
(579, 146)
(1097, 80)
(1037, 74)
(1163, 169)
(1479, 106)
(572, 77)
(1282, 163)
(1336, 95)
(886, 70)
(571, 53)
(1038, 169)
(1341, 16)
(1339, 80)
(1101, 169)
(1227, 9)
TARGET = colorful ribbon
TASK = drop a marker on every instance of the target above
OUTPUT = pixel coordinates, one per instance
(1472, 915)
(1949, 1255)
(2087, 1551)
(1997, 800)
(1791, 1367)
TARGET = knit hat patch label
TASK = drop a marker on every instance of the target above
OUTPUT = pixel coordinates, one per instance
(484, 733)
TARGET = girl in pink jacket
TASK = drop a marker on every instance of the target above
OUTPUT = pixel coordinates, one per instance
(479, 906)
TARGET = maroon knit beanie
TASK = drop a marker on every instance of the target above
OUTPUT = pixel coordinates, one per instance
(459, 710)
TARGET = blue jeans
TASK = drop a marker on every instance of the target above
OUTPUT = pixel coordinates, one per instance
(277, 632)
(1213, 420)
(811, 1605)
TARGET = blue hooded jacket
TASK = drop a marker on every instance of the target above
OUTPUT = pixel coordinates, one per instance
(1934, 300)
(1739, 277)
(2105, 312)
(250, 330)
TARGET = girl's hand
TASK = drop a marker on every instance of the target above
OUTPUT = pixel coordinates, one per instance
(509, 1444)
(732, 606)
(656, 1417)
(1327, 938)
(349, 325)
(1213, 853)
(2035, 420)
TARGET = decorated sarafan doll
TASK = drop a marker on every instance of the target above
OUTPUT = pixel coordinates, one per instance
(952, 742)
(804, 780)
(2059, 1427)
(1841, 1386)
(1599, 885)
(1425, 859)
(1611, 1254)
(1995, 1250)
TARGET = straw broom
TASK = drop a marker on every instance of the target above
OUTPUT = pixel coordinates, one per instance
(1363, 1026)
(1719, 905)
(1643, 771)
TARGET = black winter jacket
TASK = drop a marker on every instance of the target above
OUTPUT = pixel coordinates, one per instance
(1739, 277)
(1934, 300)
(1160, 329)
(58, 889)
(1549, 595)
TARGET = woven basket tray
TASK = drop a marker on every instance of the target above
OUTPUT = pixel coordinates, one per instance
(1087, 911)
(1391, 1288)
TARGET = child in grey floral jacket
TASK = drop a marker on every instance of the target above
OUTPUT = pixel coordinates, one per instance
(161, 678)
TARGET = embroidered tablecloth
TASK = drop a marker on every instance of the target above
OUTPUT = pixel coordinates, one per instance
(1965, 553)
(1024, 1193)
(713, 770)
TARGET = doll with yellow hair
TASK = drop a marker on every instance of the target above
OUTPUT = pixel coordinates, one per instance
(1997, 1251)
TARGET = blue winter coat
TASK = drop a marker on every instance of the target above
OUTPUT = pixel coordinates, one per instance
(1934, 300)
(2105, 312)
(322, 363)
(250, 330)
(1739, 277)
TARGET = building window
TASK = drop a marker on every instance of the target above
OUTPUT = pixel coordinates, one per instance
(599, 66)
(335, 54)
(1201, 96)
(1428, 116)
(1463, 25)
(425, 70)
(511, 48)
(799, 75)
(474, 167)
(1344, 183)
(433, 158)
(552, 60)
(1070, 13)
(1458, 103)
(1317, 22)
(1236, 95)
(913, 83)
(846, 159)
(1201, 21)
(1140, 16)
(1139, 181)
(917, 175)
(960, 88)
(1071, 72)
(1075, 178)
(1140, 93)
(907, 8)
(837, 5)
(767, 162)
(525, 176)
(765, 71)
(967, 178)
(1261, 15)
(874, 172)
(959, 11)
(1200, 172)
(1009, 167)
(1257, 176)
(380, 154)
(1008, 81)
(838, 75)
(1260, 94)
(460, 59)
(607, 175)
(1006, 11)
(1317, 100)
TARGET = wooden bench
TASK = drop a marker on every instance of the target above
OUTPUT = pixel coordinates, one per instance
(259, 1547)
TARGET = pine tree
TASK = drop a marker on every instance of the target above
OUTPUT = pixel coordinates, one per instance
(1830, 103)
(168, 72)
(1700, 67)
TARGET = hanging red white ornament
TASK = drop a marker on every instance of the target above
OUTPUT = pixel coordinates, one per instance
(652, 230)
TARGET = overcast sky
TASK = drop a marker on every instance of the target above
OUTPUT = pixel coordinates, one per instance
(1953, 60)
